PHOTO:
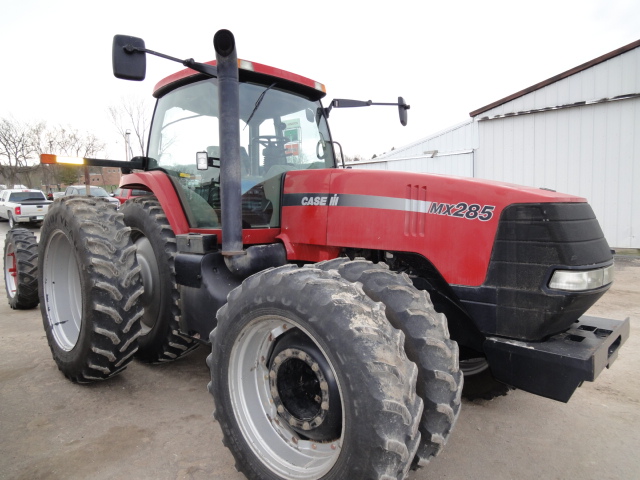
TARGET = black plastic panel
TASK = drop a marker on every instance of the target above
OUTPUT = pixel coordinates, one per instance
(532, 241)
(205, 282)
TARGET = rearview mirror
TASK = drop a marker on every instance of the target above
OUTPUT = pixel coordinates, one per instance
(402, 110)
(129, 59)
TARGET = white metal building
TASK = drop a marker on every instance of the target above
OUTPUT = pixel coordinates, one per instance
(577, 133)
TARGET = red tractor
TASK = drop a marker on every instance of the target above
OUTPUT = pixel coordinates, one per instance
(343, 307)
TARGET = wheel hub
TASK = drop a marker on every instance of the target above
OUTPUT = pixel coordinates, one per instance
(11, 272)
(299, 390)
(303, 388)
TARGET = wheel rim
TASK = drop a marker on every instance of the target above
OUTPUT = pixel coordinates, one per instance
(10, 271)
(263, 422)
(62, 291)
(151, 282)
(473, 366)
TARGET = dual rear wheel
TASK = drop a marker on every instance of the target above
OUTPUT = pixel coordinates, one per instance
(89, 286)
(107, 286)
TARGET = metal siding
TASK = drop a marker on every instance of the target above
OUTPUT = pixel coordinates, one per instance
(456, 138)
(617, 76)
(628, 212)
(633, 165)
(592, 151)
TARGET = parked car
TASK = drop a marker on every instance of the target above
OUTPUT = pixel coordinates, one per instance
(94, 191)
(124, 194)
(23, 206)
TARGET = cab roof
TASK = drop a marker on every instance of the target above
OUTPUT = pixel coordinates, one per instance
(248, 72)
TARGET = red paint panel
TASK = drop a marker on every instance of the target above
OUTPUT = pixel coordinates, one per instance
(249, 236)
(459, 247)
(306, 224)
(246, 65)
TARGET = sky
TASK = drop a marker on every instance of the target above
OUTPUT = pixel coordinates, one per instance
(446, 58)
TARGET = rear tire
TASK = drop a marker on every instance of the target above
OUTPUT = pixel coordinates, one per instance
(156, 248)
(427, 343)
(311, 382)
(89, 285)
(21, 269)
(12, 221)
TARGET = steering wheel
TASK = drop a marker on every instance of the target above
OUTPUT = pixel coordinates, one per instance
(271, 140)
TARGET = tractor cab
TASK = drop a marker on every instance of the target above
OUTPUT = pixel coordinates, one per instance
(282, 128)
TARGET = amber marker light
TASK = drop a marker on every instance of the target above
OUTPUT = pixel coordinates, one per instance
(54, 159)
(47, 158)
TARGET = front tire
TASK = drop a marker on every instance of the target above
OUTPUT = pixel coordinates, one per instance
(156, 248)
(311, 382)
(21, 269)
(89, 285)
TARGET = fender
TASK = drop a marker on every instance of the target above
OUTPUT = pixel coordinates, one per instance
(160, 184)
(162, 187)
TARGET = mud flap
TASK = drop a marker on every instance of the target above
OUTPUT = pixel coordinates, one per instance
(556, 367)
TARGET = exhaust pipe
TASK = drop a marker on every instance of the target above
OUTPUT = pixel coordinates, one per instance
(239, 262)
(229, 126)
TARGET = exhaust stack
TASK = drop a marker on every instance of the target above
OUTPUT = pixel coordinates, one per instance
(228, 104)
(239, 261)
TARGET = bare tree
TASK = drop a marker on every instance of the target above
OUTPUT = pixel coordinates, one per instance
(22, 142)
(132, 115)
(68, 141)
(355, 158)
(17, 148)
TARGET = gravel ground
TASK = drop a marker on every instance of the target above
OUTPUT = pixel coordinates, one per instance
(154, 422)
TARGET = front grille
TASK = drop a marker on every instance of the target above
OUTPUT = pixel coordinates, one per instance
(532, 241)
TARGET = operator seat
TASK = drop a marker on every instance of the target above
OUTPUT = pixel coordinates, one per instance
(213, 151)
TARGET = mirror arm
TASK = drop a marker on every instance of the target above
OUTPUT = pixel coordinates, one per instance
(209, 70)
(336, 103)
(345, 103)
(401, 105)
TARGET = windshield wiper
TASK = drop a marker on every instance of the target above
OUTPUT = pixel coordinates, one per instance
(258, 102)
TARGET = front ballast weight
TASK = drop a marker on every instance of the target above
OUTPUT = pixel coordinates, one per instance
(89, 285)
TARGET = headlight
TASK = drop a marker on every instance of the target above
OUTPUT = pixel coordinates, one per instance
(578, 280)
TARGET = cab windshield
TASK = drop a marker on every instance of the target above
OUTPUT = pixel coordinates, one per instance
(279, 131)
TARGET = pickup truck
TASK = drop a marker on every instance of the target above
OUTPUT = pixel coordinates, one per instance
(23, 206)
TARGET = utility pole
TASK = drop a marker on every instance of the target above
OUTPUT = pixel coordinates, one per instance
(127, 147)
